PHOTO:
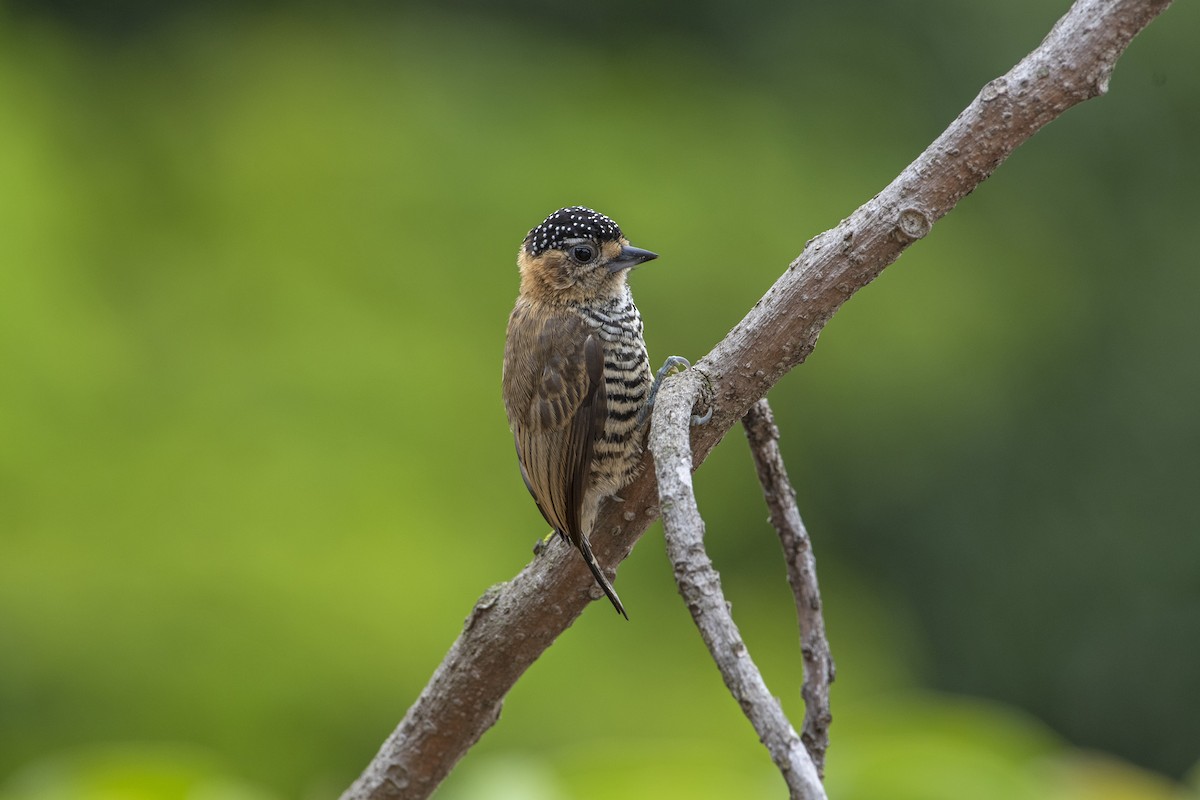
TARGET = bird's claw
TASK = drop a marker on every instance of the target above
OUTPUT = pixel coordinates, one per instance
(672, 363)
(541, 544)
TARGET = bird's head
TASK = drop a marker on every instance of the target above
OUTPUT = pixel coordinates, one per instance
(576, 254)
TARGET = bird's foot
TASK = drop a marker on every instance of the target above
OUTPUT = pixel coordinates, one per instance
(672, 363)
(540, 546)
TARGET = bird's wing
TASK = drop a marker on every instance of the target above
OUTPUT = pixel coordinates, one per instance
(556, 402)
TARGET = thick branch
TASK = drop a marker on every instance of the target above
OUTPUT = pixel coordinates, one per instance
(514, 622)
(763, 436)
(701, 589)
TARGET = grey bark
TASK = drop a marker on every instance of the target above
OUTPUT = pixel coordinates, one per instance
(514, 622)
(819, 670)
(701, 589)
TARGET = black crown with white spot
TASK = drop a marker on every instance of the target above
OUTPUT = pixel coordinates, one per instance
(575, 222)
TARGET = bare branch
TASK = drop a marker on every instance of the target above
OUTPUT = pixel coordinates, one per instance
(701, 589)
(819, 671)
(514, 622)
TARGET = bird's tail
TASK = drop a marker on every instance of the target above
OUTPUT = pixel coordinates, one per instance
(586, 549)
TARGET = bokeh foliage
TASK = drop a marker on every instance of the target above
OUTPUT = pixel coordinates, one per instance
(255, 266)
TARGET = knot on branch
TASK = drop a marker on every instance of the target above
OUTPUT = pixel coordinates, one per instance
(993, 89)
(912, 224)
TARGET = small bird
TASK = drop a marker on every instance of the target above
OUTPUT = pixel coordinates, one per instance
(577, 380)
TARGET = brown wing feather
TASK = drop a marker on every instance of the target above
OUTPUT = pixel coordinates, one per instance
(556, 404)
(587, 425)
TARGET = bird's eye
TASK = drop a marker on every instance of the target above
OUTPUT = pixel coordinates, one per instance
(583, 253)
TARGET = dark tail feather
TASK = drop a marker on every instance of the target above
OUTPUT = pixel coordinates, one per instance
(586, 549)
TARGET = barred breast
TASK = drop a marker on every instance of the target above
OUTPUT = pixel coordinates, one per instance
(627, 381)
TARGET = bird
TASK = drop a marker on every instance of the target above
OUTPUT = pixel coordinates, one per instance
(576, 380)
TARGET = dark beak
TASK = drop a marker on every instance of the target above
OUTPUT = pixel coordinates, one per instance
(630, 258)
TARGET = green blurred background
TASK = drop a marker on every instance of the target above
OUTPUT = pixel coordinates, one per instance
(255, 266)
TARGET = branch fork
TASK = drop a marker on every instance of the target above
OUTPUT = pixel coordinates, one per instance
(700, 587)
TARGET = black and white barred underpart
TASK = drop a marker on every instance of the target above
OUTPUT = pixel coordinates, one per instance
(627, 379)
